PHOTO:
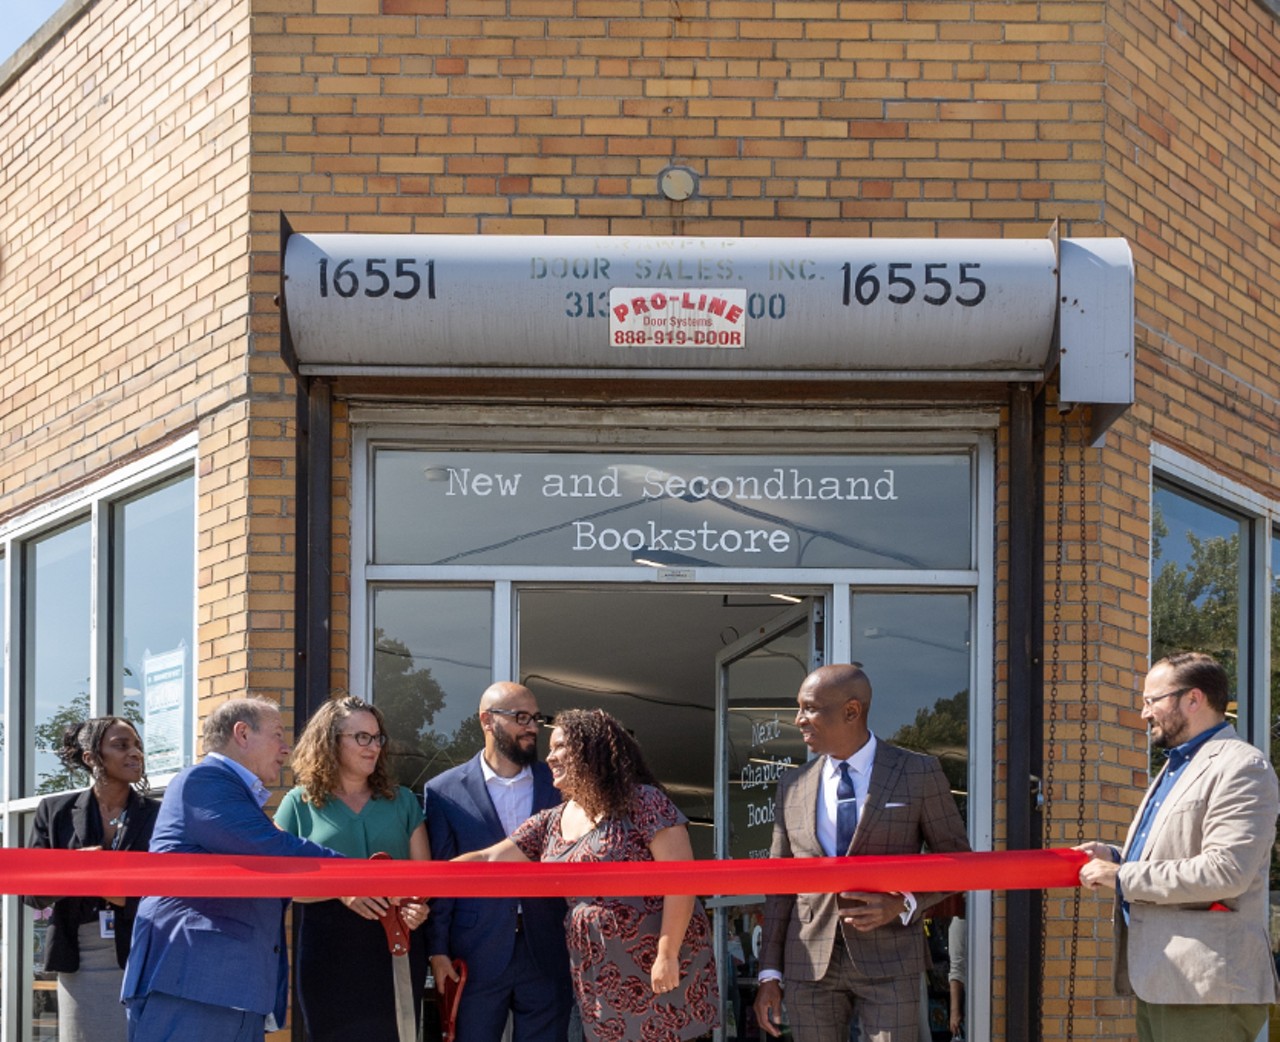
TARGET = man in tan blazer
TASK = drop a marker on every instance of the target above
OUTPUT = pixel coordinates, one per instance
(1191, 882)
(861, 953)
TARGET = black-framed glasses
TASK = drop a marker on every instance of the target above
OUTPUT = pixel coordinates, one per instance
(365, 738)
(1147, 703)
(522, 718)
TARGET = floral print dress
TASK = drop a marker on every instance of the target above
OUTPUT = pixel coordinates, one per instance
(613, 941)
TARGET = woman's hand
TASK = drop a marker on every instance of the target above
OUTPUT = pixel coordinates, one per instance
(413, 912)
(666, 973)
(367, 907)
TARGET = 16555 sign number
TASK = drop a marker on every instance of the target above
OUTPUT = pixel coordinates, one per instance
(403, 277)
(901, 282)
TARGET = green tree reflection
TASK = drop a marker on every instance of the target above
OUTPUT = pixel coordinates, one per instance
(48, 739)
(409, 698)
(943, 731)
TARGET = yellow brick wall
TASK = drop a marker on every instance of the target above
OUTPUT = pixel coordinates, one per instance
(149, 151)
(555, 116)
(124, 308)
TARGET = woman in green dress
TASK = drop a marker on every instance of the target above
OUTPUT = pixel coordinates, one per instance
(346, 800)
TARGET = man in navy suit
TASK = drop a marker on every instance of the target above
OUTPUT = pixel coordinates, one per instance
(514, 947)
(206, 969)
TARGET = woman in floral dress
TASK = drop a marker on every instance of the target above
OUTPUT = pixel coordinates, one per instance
(642, 966)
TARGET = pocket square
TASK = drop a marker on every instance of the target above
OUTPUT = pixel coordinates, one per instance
(890, 806)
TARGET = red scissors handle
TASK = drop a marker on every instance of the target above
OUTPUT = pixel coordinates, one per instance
(393, 921)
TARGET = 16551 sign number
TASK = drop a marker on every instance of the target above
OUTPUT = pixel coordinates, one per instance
(898, 282)
(407, 279)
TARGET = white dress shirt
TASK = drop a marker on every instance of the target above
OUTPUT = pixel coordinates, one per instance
(512, 797)
(860, 774)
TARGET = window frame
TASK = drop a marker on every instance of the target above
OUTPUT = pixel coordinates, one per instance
(1260, 516)
(94, 501)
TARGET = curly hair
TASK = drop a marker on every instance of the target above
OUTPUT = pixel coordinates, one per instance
(315, 758)
(604, 763)
(81, 748)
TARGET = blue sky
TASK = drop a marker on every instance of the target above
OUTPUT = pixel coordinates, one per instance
(21, 18)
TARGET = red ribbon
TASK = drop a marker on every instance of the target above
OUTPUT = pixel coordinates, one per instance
(73, 873)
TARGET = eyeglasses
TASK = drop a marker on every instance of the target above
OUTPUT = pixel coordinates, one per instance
(365, 738)
(1147, 703)
(522, 718)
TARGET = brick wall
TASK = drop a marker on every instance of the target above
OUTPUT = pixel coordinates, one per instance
(124, 314)
(149, 151)
(555, 117)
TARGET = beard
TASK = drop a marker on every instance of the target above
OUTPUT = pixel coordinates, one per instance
(1172, 733)
(510, 747)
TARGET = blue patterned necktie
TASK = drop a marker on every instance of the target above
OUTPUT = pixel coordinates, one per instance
(846, 811)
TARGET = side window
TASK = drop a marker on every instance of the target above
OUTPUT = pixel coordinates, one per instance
(153, 618)
(56, 615)
(101, 621)
(1197, 568)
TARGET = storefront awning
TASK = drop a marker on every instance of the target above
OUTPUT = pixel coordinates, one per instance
(713, 308)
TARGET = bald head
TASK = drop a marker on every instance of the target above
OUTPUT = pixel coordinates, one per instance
(841, 682)
(832, 707)
(503, 694)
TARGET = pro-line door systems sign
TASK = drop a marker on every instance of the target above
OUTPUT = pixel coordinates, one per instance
(959, 309)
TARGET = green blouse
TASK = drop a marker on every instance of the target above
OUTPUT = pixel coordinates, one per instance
(382, 825)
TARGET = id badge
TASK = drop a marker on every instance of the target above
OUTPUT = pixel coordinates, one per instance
(107, 924)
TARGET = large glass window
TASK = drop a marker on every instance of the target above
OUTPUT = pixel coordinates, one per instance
(1209, 593)
(102, 621)
(588, 510)
(432, 658)
(153, 543)
(915, 648)
(56, 650)
(1196, 569)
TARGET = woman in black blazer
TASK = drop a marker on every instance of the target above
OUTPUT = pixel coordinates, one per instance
(88, 939)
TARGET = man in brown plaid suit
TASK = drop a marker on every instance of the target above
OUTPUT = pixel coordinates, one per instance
(859, 953)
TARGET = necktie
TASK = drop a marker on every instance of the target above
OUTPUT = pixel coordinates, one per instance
(846, 811)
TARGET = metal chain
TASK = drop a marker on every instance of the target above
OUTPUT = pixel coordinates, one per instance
(1084, 724)
(1055, 659)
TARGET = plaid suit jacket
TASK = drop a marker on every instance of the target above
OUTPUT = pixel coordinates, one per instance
(909, 806)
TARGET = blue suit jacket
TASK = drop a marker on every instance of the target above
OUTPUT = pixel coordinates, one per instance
(227, 952)
(482, 931)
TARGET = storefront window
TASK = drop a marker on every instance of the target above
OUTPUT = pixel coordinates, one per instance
(154, 547)
(432, 659)
(915, 648)
(1196, 569)
(588, 510)
(56, 651)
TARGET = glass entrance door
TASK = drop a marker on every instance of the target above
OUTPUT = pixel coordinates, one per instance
(756, 741)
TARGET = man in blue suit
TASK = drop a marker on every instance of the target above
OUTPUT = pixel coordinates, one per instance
(216, 969)
(514, 948)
